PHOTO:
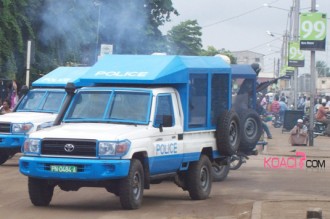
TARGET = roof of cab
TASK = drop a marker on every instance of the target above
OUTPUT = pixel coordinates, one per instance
(151, 69)
(242, 71)
(60, 76)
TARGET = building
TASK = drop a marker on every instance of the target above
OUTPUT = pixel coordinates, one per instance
(249, 57)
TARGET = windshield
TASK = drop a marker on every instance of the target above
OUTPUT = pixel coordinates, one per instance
(42, 101)
(110, 106)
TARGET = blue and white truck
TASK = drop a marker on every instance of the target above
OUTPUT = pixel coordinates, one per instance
(144, 120)
(37, 109)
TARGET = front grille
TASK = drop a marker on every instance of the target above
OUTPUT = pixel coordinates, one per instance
(4, 127)
(81, 148)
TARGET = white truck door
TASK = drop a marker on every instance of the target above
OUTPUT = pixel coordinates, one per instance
(167, 145)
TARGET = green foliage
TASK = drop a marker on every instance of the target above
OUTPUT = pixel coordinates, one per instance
(15, 27)
(185, 38)
(71, 31)
(322, 69)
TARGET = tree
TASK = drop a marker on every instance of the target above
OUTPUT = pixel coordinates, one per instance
(212, 51)
(14, 29)
(322, 69)
(185, 38)
(70, 32)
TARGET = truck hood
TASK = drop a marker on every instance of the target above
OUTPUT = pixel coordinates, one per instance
(33, 117)
(98, 131)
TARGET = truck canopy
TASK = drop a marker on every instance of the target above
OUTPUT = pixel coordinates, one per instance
(151, 69)
(203, 82)
(60, 76)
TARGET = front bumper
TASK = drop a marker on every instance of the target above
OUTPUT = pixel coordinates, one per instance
(87, 169)
(11, 141)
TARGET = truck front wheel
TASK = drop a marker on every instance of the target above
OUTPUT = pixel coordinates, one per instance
(199, 179)
(41, 193)
(3, 157)
(131, 188)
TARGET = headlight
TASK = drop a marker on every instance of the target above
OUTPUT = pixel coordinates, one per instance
(31, 146)
(119, 148)
(21, 127)
(44, 125)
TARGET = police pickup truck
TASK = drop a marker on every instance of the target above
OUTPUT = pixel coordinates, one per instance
(145, 119)
(36, 110)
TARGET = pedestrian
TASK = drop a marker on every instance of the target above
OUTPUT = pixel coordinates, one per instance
(299, 134)
(263, 116)
(5, 108)
(275, 106)
(283, 108)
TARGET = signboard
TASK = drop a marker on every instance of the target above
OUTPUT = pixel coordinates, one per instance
(313, 31)
(296, 57)
(287, 71)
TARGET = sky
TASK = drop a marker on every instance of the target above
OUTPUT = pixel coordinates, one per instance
(238, 25)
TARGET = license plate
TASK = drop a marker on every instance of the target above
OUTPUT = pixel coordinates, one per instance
(63, 169)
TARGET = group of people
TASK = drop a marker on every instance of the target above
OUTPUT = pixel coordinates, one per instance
(9, 103)
(299, 134)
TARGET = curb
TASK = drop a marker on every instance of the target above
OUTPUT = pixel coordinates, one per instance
(256, 210)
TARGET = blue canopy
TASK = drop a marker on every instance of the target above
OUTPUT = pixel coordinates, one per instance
(151, 69)
(60, 76)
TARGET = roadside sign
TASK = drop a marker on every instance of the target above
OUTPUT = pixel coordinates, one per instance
(313, 31)
(296, 57)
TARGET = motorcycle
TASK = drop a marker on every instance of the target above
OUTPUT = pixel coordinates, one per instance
(238, 159)
(318, 128)
(277, 122)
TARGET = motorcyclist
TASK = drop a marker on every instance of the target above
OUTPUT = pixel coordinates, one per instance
(321, 116)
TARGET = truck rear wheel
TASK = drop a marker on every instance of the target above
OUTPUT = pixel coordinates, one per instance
(228, 133)
(251, 129)
(199, 178)
(220, 172)
(40, 192)
(131, 188)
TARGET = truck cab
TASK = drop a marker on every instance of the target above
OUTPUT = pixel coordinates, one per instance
(36, 110)
(144, 120)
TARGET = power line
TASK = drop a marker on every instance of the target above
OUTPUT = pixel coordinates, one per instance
(237, 16)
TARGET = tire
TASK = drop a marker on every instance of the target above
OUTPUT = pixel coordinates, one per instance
(219, 172)
(40, 192)
(3, 157)
(199, 179)
(131, 188)
(236, 163)
(251, 129)
(228, 133)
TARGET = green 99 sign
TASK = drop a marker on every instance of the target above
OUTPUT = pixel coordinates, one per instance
(313, 31)
(296, 57)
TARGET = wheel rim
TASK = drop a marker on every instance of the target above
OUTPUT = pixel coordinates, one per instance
(204, 178)
(136, 187)
(250, 128)
(233, 133)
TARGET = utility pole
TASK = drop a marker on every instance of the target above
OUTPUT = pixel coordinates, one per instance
(28, 62)
(296, 38)
(313, 89)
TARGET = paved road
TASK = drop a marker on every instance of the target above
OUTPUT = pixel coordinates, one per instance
(253, 191)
